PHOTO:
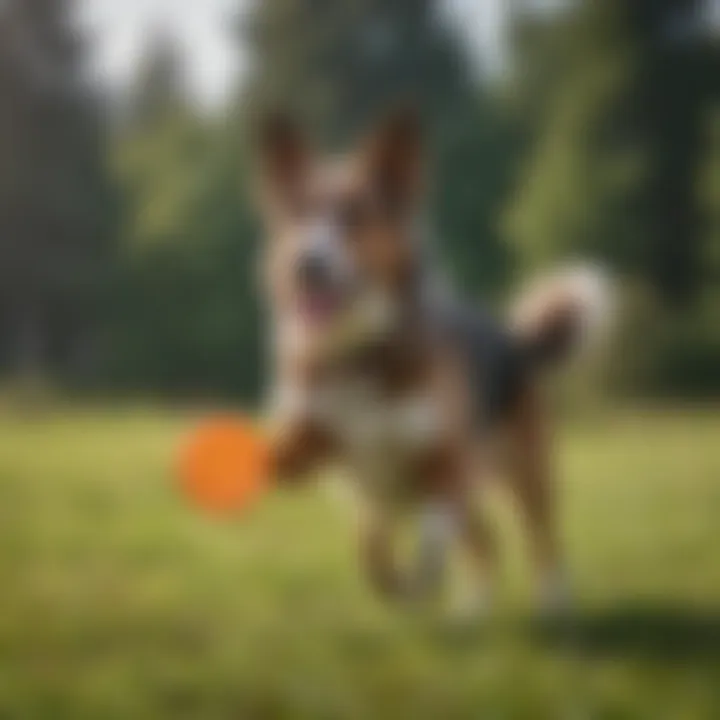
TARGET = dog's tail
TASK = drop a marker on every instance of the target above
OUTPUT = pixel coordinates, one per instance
(563, 314)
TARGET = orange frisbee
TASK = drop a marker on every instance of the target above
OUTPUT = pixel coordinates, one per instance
(225, 465)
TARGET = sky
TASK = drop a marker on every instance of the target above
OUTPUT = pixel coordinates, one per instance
(121, 29)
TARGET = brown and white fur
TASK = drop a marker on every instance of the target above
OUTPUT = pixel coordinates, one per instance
(366, 374)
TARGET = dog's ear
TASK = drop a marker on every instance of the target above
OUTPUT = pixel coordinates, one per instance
(394, 157)
(283, 157)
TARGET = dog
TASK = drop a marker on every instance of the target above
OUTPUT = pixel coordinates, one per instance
(377, 365)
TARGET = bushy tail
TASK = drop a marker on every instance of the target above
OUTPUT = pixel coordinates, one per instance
(564, 313)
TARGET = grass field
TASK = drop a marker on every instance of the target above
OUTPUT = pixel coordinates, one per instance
(118, 601)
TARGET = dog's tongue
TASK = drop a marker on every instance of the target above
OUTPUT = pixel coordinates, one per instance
(320, 307)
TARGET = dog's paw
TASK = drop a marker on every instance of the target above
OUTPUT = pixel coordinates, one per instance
(554, 596)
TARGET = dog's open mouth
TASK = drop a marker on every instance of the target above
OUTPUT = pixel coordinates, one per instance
(320, 307)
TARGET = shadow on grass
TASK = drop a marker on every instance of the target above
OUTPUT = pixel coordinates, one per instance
(662, 633)
(654, 632)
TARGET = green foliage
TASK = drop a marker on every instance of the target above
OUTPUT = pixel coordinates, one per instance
(709, 200)
(614, 163)
(188, 315)
(57, 206)
(337, 64)
(163, 169)
(572, 195)
(618, 148)
(186, 319)
(677, 82)
(603, 143)
(666, 354)
(470, 178)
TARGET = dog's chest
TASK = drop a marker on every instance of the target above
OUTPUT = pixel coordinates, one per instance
(366, 420)
(380, 435)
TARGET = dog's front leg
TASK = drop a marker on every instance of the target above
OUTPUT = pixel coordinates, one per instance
(430, 484)
(299, 447)
(377, 556)
(450, 514)
(438, 527)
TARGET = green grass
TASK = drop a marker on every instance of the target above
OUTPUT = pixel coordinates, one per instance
(118, 601)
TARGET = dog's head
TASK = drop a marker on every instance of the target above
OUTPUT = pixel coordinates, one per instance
(340, 229)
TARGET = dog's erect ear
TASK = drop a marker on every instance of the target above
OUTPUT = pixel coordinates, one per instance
(283, 156)
(394, 157)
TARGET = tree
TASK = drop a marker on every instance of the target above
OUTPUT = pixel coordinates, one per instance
(159, 148)
(56, 201)
(581, 173)
(709, 200)
(618, 141)
(159, 91)
(678, 70)
(337, 64)
(188, 317)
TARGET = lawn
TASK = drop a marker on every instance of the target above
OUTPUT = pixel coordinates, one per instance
(119, 601)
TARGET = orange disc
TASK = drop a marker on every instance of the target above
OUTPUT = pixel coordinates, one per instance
(225, 465)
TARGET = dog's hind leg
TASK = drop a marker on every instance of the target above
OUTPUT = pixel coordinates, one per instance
(530, 474)
(479, 543)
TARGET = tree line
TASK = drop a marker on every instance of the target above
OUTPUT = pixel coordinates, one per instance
(128, 239)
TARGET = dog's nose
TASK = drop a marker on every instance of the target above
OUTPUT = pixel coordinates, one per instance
(314, 271)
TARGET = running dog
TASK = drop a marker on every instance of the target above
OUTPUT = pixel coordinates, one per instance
(377, 365)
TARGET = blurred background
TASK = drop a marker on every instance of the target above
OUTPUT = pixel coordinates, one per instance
(560, 129)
